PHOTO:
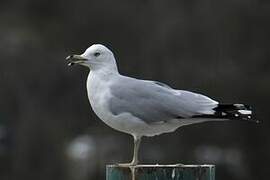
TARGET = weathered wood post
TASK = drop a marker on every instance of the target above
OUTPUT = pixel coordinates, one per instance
(161, 172)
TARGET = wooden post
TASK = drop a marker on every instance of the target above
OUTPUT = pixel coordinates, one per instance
(161, 172)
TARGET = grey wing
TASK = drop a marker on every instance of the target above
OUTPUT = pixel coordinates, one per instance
(154, 102)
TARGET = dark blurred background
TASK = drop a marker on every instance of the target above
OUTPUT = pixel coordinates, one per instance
(218, 48)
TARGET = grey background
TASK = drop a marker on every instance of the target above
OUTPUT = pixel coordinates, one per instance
(218, 48)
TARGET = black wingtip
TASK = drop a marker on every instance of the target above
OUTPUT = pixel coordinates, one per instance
(238, 112)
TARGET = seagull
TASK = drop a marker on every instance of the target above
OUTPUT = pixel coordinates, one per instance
(144, 107)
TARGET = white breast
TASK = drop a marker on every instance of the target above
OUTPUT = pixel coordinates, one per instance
(97, 90)
(99, 94)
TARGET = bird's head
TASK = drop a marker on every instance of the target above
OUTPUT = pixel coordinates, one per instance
(95, 57)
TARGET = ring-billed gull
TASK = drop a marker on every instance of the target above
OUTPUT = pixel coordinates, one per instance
(143, 107)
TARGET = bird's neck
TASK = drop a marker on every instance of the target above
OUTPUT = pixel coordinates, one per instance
(105, 73)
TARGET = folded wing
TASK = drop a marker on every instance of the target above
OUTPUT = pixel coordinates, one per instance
(155, 102)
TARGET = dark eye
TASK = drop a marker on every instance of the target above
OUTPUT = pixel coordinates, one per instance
(96, 54)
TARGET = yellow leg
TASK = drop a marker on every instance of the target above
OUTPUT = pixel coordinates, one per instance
(135, 160)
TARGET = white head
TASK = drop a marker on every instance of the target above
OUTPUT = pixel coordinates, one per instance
(95, 57)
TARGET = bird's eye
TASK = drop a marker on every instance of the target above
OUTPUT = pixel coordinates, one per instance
(96, 54)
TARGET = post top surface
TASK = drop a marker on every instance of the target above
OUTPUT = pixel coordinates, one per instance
(162, 166)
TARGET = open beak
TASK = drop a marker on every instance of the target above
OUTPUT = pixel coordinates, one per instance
(75, 59)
